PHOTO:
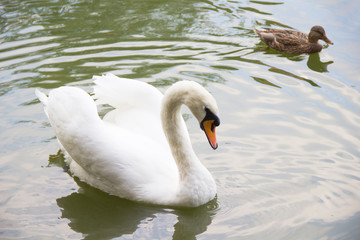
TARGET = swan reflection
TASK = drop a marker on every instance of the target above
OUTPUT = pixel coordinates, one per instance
(98, 215)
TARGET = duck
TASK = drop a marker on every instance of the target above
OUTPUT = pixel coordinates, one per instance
(141, 149)
(289, 41)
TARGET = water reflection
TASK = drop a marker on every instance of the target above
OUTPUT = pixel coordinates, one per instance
(98, 215)
(43, 55)
(271, 69)
(264, 81)
(315, 64)
(281, 71)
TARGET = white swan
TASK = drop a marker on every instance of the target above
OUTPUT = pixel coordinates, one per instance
(141, 150)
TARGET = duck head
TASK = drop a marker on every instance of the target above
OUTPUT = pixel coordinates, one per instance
(316, 33)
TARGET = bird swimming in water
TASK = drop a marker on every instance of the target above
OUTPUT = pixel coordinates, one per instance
(289, 41)
(141, 150)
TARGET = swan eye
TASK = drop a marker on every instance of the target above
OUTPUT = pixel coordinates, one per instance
(210, 116)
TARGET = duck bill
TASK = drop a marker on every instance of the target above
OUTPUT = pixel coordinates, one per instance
(327, 40)
(209, 129)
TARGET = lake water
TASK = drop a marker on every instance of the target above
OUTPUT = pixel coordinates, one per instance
(288, 162)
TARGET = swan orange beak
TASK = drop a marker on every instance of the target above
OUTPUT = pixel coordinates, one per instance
(209, 129)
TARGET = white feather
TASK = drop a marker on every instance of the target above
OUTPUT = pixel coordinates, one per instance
(128, 154)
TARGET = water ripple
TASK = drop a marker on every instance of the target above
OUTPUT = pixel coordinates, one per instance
(287, 166)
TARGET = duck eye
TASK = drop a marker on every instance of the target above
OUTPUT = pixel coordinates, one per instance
(319, 32)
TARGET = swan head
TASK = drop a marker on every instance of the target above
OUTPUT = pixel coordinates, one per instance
(203, 106)
(208, 125)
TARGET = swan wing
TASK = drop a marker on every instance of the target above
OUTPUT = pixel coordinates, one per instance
(123, 93)
(106, 156)
(137, 105)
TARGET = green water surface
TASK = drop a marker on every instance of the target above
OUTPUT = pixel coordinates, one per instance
(288, 162)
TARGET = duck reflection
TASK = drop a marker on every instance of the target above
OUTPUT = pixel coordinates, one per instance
(315, 64)
(274, 69)
(259, 47)
(98, 215)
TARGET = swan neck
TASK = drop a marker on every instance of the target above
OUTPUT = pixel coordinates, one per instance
(176, 132)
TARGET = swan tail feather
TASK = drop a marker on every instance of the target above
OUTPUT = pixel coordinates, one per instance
(43, 99)
(41, 96)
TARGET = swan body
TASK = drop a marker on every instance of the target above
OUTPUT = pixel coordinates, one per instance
(141, 150)
(289, 41)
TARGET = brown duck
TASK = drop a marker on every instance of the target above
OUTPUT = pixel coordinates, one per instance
(289, 41)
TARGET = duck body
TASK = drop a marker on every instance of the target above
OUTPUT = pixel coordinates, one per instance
(289, 41)
(141, 150)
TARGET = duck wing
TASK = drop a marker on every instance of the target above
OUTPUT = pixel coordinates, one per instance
(284, 40)
(290, 38)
